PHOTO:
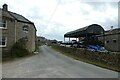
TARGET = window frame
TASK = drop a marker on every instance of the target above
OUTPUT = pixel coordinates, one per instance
(114, 41)
(5, 42)
(1, 22)
(107, 42)
(25, 28)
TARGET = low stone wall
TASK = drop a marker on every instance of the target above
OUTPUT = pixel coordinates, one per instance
(111, 59)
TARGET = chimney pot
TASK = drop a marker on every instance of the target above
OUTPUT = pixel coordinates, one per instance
(5, 7)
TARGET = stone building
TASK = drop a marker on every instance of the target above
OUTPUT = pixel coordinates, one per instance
(41, 39)
(14, 27)
(111, 39)
(95, 34)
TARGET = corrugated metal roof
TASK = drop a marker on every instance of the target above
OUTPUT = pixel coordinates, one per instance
(89, 30)
(78, 30)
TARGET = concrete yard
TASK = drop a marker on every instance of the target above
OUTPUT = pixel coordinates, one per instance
(51, 64)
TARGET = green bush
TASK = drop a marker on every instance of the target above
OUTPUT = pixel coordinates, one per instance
(19, 48)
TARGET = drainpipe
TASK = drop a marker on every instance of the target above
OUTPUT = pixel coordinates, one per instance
(15, 30)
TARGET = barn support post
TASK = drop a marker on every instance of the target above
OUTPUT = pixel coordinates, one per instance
(86, 43)
(64, 39)
(104, 39)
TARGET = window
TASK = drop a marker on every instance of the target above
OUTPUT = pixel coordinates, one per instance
(114, 40)
(107, 41)
(25, 28)
(3, 41)
(3, 24)
(38, 40)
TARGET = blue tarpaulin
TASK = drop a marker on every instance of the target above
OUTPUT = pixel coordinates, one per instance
(96, 48)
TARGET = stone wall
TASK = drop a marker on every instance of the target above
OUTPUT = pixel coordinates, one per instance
(9, 33)
(30, 35)
(108, 58)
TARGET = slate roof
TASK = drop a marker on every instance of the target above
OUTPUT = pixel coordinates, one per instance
(19, 17)
(113, 31)
(14, 16)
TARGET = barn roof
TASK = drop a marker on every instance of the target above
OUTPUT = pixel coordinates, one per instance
(93, 29)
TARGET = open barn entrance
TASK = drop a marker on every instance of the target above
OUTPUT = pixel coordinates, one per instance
(86, 34)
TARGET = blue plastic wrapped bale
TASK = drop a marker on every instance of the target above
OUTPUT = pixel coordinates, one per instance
(95, 47)
(92, 47)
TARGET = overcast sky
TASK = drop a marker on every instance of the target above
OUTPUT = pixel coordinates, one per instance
(53, 18)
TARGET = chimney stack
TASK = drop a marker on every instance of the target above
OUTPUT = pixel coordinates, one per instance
(111, 27)
(5, 7)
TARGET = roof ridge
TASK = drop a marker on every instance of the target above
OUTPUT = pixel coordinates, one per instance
(16, 15)
(11, 14)
(22, 16)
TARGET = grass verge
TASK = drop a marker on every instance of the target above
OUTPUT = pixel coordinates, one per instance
(97, 63)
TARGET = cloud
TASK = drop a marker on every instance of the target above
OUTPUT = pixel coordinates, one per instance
(53, 18)
(82, 14)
